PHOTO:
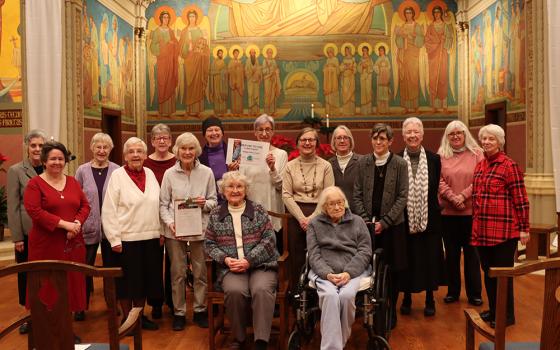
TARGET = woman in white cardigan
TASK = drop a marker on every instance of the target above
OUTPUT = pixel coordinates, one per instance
(130, 217)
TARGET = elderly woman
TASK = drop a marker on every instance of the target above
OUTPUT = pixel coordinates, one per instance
(500, 214)
(459, 154)
(240, 238)
(187, 180)
(345, 161)
(130, 217)
(19, 221)
(266, 182)
(380, 196)
(57, 207)
(424, 248)
(340, 250)
(93, 177)
(304, 179)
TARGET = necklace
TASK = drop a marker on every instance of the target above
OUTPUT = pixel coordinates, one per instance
(60, 193)
(381, 170)
(100, 171)
(313, 187)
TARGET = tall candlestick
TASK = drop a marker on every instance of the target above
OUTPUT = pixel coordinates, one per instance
(327, 120)
(312, 112)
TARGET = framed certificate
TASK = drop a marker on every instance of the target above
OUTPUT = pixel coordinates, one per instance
(188, 218)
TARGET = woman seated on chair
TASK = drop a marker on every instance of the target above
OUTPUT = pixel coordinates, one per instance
(339, 248)
(240, 238)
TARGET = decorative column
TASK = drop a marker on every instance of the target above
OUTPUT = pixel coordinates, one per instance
(140, 66)
(72, 118)
(539, 178)
(463, 93)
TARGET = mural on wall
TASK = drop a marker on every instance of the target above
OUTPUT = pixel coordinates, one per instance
(10, 55)
(497, 56)
(108, 61)
(350, 58)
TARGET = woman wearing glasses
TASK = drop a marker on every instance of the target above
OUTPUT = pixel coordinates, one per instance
(345, 162)
(305, 178)
(266, 182)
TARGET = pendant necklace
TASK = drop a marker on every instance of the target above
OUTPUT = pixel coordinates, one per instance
(60, 193)
(313, 186)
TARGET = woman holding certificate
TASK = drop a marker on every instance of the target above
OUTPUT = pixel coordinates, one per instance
(188, 194)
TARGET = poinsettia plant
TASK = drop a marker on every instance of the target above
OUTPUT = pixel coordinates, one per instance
(323, 150)
(283, 142)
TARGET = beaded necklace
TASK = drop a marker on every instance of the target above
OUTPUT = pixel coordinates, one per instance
(313, 186)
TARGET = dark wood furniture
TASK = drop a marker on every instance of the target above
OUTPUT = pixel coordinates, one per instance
(217, 324)
(52, 329)
(550, 331)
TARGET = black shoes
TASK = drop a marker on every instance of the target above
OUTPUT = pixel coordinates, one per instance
(260, 345)
(156, 312)
(509, 322)
(24, 328)
(430, 309)
(475, 301)
(201, 319)
(79, 316)
(405, 309)
(179, 323)
(450, 299)
(148, 324)
(486, 316)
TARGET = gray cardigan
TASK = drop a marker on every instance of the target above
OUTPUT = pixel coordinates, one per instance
(395, 190)
(347, 179)
(92, 227)
(336, 248)
(19, 221)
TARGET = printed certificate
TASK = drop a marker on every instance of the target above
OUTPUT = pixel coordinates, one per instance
(188, 218)
(247, 152)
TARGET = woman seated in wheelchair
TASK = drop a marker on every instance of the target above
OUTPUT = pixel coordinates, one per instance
(240, 238)
(340, 251)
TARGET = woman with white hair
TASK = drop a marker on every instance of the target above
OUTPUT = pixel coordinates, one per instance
(240, 238)
(423, 218)
(345, 161)
(500, 214)
(193, 182)
(339, 248)
(130, 217)
(459, 154)
(94, 176)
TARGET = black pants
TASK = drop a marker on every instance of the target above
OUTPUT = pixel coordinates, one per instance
(501, 255)
(456, 236)
(91, 254)
(168, 298)
(22, 276)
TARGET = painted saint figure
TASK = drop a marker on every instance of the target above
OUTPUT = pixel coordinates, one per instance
(348, 81)
(236, 83)
(382, 68)
(439, 39)
(253, 73)
(194, 50)
(488, 54)
(409, 38)
(330, 82)
(218, 83)
(365, 68)
(272, 85)
(165, 47)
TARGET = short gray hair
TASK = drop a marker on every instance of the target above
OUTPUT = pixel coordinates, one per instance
(187, 138)
(495, 130)
(413, 120)
(101, 137)
(160, 129)
(331, 190)
(445, 150)
(231, 176)
(348, 132)
(263, 119)
(133, 141)
(35, 133)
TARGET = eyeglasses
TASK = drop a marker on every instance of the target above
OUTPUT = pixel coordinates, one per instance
(235, 187)
(266, 131)
(455, 134)
(342, 138)
(162, 138)
(333, 205)
(307, 140)
(380, 139)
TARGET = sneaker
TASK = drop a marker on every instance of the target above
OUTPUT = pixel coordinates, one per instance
(24, 328)
(79, 316)
(156, 312)
(201, 319)
(148, 324)
(179, 323)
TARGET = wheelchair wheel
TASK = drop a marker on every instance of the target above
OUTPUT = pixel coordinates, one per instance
(294, 342)
(378, 343)
(383, 308)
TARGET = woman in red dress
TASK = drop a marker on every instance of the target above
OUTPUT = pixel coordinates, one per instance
(57, 207)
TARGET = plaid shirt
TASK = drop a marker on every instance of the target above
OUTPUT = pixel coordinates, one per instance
(500, 203)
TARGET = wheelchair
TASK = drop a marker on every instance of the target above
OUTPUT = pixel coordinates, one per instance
(372, 302)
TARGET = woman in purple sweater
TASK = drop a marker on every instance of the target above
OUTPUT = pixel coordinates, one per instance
(459, 154)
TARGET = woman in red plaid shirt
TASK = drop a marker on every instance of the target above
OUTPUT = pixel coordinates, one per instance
(500, 214)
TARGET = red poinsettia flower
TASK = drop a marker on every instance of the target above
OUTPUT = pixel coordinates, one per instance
(283, 142)
(323, 150)
(3, 158)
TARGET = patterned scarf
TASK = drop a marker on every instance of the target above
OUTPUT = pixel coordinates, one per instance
(417, 205)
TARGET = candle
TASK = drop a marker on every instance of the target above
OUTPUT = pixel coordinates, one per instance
(312, 112)
(327, 120)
